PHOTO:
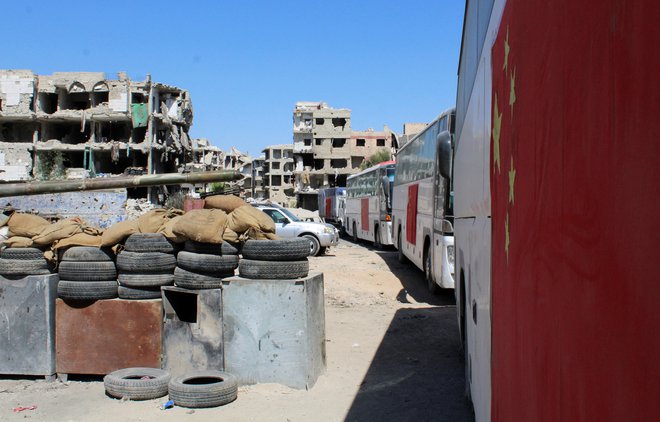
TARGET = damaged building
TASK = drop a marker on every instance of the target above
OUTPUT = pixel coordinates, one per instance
(326, 150)
(82, 124)
(278, 179)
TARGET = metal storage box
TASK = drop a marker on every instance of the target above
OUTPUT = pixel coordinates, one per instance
(27, 325)
(274, 330)
(192, 330)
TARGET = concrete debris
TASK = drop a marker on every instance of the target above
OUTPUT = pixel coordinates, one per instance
(138, 207)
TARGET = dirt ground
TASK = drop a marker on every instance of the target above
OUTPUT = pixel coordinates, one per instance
(393, 353)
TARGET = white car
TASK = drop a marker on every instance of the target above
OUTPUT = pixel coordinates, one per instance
(320, 235)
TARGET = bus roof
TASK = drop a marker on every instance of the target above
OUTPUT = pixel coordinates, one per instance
(441, 115)
(372, 168)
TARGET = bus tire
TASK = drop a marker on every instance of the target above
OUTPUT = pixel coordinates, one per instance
(400, 256)
(355, 238)
(377, 244)
(428, 273)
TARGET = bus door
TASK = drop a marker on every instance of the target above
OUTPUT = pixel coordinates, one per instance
(411, 215)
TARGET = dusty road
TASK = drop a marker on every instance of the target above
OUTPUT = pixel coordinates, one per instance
(393, 353)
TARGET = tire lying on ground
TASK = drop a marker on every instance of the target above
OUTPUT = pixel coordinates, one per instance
(143, 293)
(148, 242)
(86, 254)
(207, 263)
(23, 266)
(141, 280)
(193, 280)
(223, 248)
(277, 250)
(137, 383)
(203, 389)
(80, 290)
(22, 253)
(144, 262)
(268, 270)
(87, 270)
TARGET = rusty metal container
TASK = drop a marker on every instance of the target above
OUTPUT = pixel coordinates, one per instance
(107, 335)
(190, 203)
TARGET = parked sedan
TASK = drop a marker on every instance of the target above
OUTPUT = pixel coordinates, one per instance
(320, 235)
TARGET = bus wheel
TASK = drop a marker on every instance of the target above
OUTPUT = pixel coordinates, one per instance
(355, 238)
(428, 273)
(377, 244)
(402, 258)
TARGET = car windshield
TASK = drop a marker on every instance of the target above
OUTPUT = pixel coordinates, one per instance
(288, 214)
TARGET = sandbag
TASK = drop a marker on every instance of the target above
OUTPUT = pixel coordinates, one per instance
(227, 203)
(152, 221)
(230, 236)
(243, 218)
(204, 226)
(60, 230)
(167, 230)
(18, 242)
(80, 239)
(26, 225)
(118, 232)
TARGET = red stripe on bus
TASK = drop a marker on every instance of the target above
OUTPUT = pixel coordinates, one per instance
(411, 214)
(365, 214)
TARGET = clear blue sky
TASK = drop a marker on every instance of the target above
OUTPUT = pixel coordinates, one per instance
(246, 63)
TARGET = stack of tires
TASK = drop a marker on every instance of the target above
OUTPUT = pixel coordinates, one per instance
(283, 259)
(146, 263)
(87, 273)
(204, 265)
(22, 262)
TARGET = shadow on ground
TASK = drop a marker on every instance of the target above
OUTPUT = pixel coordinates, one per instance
(417, 373)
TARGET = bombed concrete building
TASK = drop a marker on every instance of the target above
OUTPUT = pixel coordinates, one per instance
(326, 149)
(278, 179)
(81, 124)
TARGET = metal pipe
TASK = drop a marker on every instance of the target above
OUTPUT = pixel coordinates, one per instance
(98, 183)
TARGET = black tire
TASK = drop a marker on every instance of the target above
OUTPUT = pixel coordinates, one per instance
(277, 250)
(355, 238)
(313, 244)
(131, 293)
(271, 270)
(203, 389)
(195, 281)
(145, 262)
(148, 242)
(23, 266)
(432, 285)
(137, 383)
(323, 250)
(87, 271)
(75, 290)
(145, 280)
(400, 256)
(206, 263)
(86, 254)
(22, 253)
(224, 248)
(377, 244)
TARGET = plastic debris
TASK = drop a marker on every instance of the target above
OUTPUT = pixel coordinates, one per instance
(21, 408)
(167, 405)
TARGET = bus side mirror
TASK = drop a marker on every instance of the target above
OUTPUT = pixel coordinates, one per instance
(444, 154)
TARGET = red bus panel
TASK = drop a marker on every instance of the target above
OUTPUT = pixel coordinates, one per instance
(328, 207)
(365, 214)
(411, 214)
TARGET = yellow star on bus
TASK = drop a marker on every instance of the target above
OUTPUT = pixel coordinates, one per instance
(506, 236)
(497, 127)
(512, 180)
(505, 68)
(512, 92)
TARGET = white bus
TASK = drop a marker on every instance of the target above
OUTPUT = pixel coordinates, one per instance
(369, 204)
(331, 206)
(422, 203)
